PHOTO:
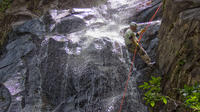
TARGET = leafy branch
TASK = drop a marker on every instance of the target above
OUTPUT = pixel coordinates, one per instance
(191, 95)
(153, 93)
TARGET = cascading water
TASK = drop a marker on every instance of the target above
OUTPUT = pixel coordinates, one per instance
(75, 62)
(107, 20)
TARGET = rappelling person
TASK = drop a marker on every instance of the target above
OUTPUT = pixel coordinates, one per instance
(131, 42)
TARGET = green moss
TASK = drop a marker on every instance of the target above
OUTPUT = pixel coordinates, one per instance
(3, 38)
(4, 30)
(5, 4)
(178, 54)
(181, 62)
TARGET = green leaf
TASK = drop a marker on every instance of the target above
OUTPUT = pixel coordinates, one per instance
(152, 103)
(164, 100)
(146, 84)
(141, 86)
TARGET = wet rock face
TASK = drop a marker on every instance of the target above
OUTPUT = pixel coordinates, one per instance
(36, 7)
(146, 14)
(138, 11)
(72, 62)
(92, 78)
(179, 44)
(66, 71)
(69, 25)
(80, 3)
(62, 22)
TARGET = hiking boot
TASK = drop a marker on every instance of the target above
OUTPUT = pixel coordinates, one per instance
(151, 64)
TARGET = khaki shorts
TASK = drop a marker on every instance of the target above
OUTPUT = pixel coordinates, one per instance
(142, 53)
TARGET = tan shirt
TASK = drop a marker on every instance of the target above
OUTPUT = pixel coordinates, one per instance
(127, 36)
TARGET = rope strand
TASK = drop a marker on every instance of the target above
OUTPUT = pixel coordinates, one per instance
(130, 70)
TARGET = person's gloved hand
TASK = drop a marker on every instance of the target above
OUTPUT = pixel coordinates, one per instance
(136, 42)
(143, 30)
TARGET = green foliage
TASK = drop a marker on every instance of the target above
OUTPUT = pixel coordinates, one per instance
(191, 95)
(181, 62)
(153, 93)
(178, 53)
(4, 5)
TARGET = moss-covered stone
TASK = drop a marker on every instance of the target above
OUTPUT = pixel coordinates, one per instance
(4, 4)
(4, 29)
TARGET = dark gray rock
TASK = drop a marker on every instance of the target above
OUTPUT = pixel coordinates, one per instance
(62, 22)
(62, 68)
(62, 4)
(69, 24)
(15, 106)
(34, 26)
(20, 66)
(146, 14)
(139, 11)
(16, 50)
(5, 98)
(66, 106)
(94, 77)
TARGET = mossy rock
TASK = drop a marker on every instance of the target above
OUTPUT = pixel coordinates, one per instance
(4, 4)
(5, 23)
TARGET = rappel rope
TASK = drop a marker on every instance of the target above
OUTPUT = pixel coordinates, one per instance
(130, 70)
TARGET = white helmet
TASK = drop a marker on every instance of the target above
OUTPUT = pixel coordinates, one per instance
(133, 24)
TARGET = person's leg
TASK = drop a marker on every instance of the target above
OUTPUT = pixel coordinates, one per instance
(143, 54)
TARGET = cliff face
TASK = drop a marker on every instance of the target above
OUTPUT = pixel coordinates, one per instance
(179, 46)
(19, 11)
(65, 62)
(23, 10)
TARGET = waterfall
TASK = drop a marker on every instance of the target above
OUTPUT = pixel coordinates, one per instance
(75, 60)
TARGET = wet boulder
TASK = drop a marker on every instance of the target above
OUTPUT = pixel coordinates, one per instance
(62, 22)
(146, 14)
(69, 25)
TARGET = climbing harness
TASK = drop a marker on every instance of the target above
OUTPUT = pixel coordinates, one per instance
(130, 70)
